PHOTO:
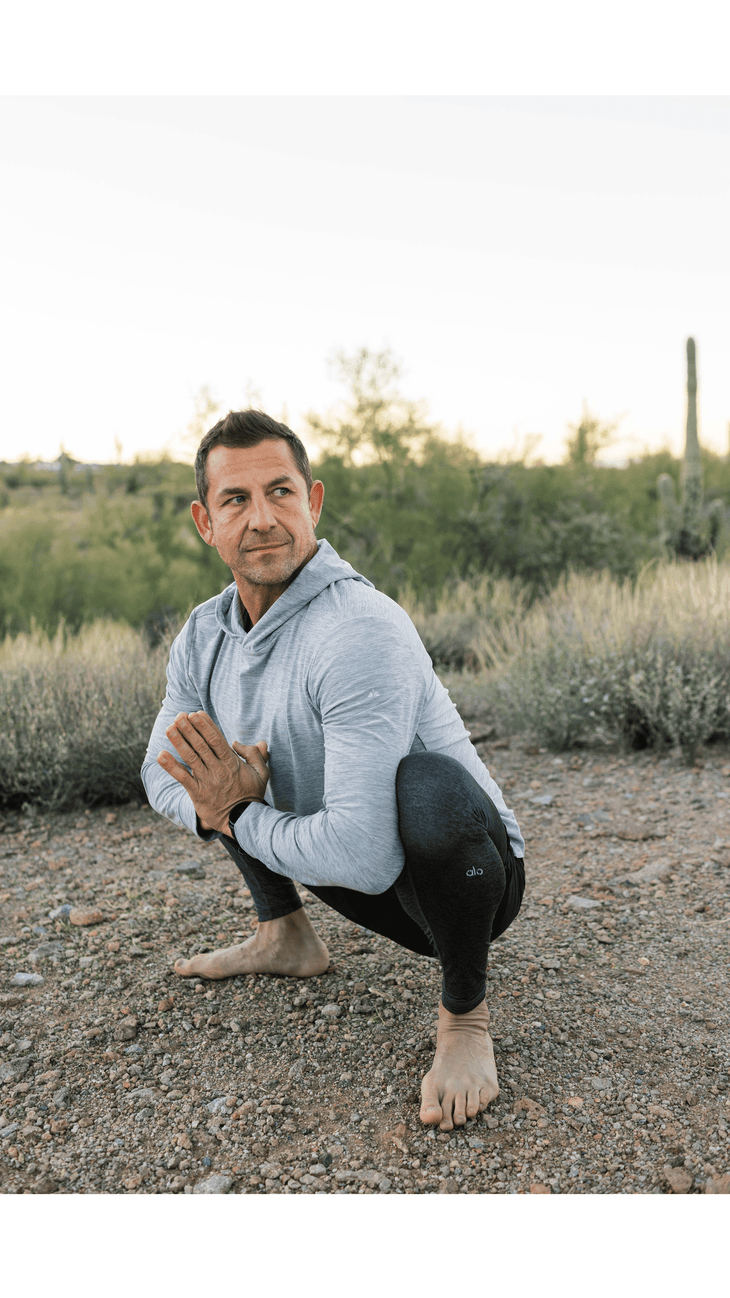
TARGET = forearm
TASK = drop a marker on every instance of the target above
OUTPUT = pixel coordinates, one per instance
(326, 849)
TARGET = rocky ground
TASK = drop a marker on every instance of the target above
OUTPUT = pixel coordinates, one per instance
(609, 998)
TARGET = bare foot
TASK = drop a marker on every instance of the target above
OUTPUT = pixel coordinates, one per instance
(463, 1078)
(279, 946)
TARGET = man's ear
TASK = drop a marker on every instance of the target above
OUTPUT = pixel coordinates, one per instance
(202, 522)
(316, 500)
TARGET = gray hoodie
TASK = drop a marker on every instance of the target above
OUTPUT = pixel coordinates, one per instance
(336, 680)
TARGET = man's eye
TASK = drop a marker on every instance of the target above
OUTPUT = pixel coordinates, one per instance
(286, 490)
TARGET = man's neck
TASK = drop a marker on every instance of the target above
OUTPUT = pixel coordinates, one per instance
(257, 600)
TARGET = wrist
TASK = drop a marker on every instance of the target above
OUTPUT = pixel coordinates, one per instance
(235, 814)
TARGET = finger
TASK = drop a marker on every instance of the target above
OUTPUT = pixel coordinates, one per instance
(184, 748)
(251, 755)
(263, 748)
(209, 731)
(175, 769)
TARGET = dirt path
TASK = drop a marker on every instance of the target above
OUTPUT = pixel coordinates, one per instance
(609, 998)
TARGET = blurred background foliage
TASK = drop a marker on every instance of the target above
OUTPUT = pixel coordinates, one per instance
(414, 509)
(546, 595)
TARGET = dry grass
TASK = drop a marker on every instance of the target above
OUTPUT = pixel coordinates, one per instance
(78, 711)
(595, 662)
(601, 661)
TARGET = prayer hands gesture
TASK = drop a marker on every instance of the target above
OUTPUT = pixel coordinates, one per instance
(219, 775)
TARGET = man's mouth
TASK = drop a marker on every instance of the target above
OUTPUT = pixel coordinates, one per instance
(274, 545)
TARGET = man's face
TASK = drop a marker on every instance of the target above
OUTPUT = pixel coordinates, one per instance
(259, 517)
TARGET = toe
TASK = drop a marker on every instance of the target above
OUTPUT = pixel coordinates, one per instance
(472, 1104)
(430, 1107)
(460, 1110)
(486, 1095)
(447, 1108)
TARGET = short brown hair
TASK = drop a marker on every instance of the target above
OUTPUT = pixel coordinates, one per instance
(247, 428)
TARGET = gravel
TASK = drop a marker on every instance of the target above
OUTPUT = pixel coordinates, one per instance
(610, 1021)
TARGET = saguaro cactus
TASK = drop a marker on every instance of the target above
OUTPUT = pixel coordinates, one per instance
(688, 529)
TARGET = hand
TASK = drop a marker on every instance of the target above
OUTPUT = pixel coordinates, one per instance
(219, 775)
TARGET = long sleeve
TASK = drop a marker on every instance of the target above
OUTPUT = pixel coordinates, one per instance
(166, 795)
(368, 687)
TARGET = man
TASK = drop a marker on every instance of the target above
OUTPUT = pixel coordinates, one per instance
(304, 726)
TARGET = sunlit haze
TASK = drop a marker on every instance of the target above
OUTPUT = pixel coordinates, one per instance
(519, 256)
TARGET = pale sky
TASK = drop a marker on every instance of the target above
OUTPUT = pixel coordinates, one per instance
(518, 255)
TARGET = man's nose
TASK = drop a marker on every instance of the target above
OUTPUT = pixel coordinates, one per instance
(261, 515)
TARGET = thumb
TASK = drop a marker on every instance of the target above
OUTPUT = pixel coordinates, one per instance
(263, 748)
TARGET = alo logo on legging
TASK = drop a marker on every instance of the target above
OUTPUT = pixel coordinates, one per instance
(473, 872)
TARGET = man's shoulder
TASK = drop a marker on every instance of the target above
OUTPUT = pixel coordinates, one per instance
(345, 601)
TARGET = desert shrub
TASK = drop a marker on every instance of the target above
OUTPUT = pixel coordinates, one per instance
(78, 714)
(455, 624)
(599, 661)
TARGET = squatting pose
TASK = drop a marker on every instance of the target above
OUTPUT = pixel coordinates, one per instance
(304, 726)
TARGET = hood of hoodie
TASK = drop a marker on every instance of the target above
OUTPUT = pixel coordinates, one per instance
(323, 570)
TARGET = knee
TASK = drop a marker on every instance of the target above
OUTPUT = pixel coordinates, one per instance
(432, 776)
(433, 802)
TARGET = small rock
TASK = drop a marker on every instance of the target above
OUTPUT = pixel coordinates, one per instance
(165, 1005)
(61, 912)
(331, 1011)
(191, 870)
(126, 1030)
(679, 1179)
(448, 1186)
(61, 1097)
(537, 1187)
(9, 1000)
(530, 1107)
(601, 1083)
(45, 950)
(26, 980)
(654, 870)
(83, 918)
(542, 800)
(475, 1144)
(215, 1184)
(715, 1185)
(318, 1169)
(581, 903)
(385, 1185)
(221, 1102)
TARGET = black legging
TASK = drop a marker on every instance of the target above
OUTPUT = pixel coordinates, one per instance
(460, 887)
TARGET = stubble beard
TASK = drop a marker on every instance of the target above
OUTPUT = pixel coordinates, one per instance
(279, 567)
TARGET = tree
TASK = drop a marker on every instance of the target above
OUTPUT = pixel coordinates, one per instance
(377, 425)
(589, 437)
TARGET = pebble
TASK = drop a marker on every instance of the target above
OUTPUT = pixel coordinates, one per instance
(190, 870)
(215, 1184)
(221, 1102)
(317, 1169)
(581, 903)
(26, 980)
(331, 1011)
(449, 1185)
(679, 1179)
(654, 870)
(83, 918)
(8, 1000)
(126, 1030)
(44, 950)
(61, 912)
